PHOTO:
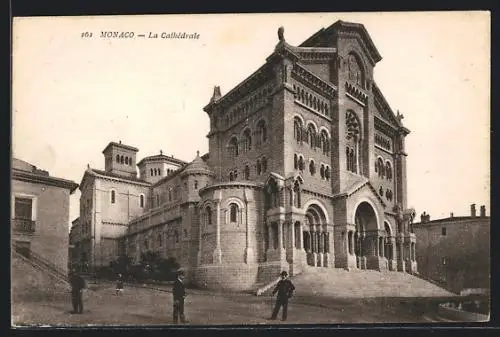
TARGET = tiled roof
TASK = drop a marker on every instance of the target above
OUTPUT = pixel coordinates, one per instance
(114, 175)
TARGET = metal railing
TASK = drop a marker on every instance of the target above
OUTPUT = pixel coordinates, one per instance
(23, 225)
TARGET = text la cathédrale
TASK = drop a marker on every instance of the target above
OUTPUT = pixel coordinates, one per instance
(173, 35)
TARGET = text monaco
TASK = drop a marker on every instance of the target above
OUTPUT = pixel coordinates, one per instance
(150, 35)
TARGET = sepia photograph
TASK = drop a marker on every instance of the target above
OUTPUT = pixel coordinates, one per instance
(250, 169)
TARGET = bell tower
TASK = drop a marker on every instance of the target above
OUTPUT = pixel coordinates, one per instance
(120, 159)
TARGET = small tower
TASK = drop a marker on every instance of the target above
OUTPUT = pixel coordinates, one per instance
(154, 168)
(119, 159)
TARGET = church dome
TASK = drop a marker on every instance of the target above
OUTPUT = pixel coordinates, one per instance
(198, 166)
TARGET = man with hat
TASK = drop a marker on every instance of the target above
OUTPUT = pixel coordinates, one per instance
(179, 292)
(285, 289)
(77, 284)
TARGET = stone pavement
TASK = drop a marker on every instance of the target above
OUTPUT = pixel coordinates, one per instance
(140, 306)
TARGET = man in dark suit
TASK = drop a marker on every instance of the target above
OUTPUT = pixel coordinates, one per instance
(285, 289)
(179, 292)
(77, 285)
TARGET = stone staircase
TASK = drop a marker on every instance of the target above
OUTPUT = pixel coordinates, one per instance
(339, 283)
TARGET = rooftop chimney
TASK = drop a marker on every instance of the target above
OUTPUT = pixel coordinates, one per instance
(424, 217)
(473, 210)
(483, 211)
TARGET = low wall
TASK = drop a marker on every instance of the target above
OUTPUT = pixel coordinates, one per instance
(460, 315)
(234, 276)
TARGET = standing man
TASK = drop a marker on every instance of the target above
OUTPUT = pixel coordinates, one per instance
(77, 285)
(285, 289)
(179, 293)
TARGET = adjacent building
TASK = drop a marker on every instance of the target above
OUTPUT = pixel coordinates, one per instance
(455, 251)
(306, 169)
(40, 213)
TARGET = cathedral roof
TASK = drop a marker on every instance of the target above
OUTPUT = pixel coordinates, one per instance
(197, 166)
(161, 157)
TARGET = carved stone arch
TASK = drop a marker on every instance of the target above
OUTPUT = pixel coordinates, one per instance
(353, 125)
(373, 206)
(324, 129)
(310, 122)
(356, 54)
(299, 117)
(388, 228)
(321, 206)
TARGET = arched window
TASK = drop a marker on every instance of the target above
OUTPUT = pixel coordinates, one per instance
(322, 171)
(301, 163)
(348, 158)
(312, 167)
(233, 147)
(311, 133)
(130, 161)
(247, 140)
(262, 131)
(126, 160)
(354, 167)
(264, 164)
(113, 196)
(296, 192)
(295, 161)
(151, 172)
(356, 73)
(259, 167)
(196, 184)
(118, 158)
(381, 169)
(325, 143)
(233, 212)
(231, 176)
(169, 195)
(246, 172)
(208, 215)
(327, 173)
(141, 200)
(388, 170)
(353, 137)
(297, 129)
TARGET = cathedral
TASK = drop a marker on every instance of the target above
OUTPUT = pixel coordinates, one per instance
(306, 168)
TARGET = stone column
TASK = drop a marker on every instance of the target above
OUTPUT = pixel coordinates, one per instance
(292, 228)
(200, 238)
(249, 256)
(280, 235)
(217, 255)
(314, 246)
(301, 235)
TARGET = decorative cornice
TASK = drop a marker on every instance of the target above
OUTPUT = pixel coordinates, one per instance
(109, 178)
(44, 180)
(313, 81)
(342, 28)
(258, 77)
(231, 184)
(356, 92)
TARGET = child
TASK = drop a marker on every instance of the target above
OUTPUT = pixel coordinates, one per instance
(119, 285)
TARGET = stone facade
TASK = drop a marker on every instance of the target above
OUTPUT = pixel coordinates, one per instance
(306, 168)
(40, 213)
(455, 251)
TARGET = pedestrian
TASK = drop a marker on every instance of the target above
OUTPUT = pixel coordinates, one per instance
(77, 285)
(119, 284)
(179, 293)
(285, 289)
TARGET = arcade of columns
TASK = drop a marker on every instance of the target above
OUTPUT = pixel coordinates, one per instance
(396, 252)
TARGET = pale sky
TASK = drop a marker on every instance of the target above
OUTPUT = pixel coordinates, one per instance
(72, 96)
